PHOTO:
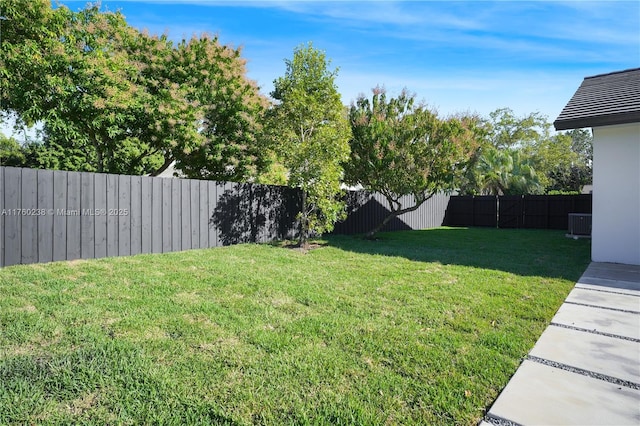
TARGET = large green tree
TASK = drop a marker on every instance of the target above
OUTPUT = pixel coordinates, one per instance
(132, 102)
(518, 155)
(572, 167)
(400, 147)
(312, 134)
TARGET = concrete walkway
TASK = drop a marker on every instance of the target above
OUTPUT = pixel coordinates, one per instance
(585, 368)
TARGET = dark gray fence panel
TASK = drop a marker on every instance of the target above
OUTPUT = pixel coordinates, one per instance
(166, 216)
(203, 210)
(194, 204)
(176, 215)
(123, 215)
(97, 215)
(29, 234)
(100, 222)
(146, 210)
(211, 206)
(366, 210)
(73, 216)
(520, 211)
(12, 193)
(59, 216)
(87, 218)
(136, 215)
(156, 215)
(220, 190)
(185, 213)
(45, 218)
(112, 220)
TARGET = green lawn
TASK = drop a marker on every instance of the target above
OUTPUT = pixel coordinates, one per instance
(419, 327)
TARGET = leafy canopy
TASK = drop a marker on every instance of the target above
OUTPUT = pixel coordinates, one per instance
(131, 102)
(518, 155)
(312, 133)
(400, 147)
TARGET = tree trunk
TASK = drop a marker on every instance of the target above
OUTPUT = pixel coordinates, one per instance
(393, 214)
(165, 166)
(371, 234)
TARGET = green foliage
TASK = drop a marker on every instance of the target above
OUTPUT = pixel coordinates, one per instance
(518, 155)
(134, 103)
(505, 130)
(312, 137)
(402, 148)
(505, 172)
(11, 153)
(573, 169)
(226, 104)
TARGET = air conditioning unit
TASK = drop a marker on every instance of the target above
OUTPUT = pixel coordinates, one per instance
(579, 225)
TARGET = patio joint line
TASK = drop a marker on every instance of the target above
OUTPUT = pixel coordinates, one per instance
(603, 307)
(601, 333)
(583, 372)
(607, 291)
(499, 421)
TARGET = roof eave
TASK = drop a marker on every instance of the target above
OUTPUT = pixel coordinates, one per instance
(597, 121)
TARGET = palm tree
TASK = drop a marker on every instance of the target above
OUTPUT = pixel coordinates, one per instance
(506, 172)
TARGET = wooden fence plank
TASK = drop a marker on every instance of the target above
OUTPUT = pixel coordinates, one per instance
(88, 218)
(45, 220)
(73, 216)
(136, 215)
(156, 215)
(146, 207)
(100, 220)
(12, 220)
(203, 210)
(185, 199)
(112, 220)
(60, 218)
(195, 213)
(167, 233)
(211, 207)
(123, 214)
(176, 215)
(29, 222)
(220, 193)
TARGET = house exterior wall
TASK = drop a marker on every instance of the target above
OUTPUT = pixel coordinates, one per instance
(616, 194)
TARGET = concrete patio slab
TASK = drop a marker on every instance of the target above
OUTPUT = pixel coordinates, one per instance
(609, 289)
(603, 282)
(604, 299)
(542, 395)
(585, 368)
(624, 324)
(604, 355)
(613, 275)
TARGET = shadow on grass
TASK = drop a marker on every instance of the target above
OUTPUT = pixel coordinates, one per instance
(524, 252)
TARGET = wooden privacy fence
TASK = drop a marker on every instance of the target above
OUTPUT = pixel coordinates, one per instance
(50, 215)
(56, 215)
(516, 211)
(365, 210)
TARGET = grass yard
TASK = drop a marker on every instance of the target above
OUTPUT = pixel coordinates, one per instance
(419, 327)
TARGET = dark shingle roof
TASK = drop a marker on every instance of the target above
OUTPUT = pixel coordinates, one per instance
(603, 100)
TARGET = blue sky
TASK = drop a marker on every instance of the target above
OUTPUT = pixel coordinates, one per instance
(456, 56)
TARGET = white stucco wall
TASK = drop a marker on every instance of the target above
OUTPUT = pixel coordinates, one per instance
(616, 194)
